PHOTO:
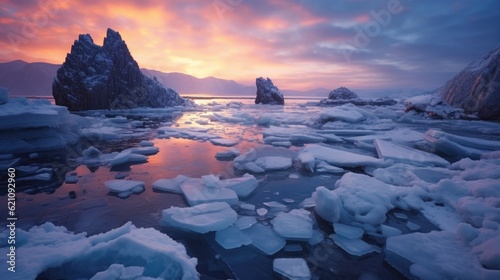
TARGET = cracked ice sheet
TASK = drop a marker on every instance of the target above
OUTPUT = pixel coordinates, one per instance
(265, 159)
(297, 135)
(186, 133)
(462, 200)
(201, 218)
(403, 154)
(440, 255)
(337, 157)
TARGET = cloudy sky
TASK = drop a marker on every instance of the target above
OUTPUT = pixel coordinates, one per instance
(300, 44)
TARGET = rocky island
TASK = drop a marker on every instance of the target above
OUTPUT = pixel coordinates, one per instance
(268, 93)
(107, 77)
(343, 95)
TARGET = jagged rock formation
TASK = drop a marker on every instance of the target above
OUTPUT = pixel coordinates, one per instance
(476, 88)
(268, 93)
(107, 77)
(342, 93)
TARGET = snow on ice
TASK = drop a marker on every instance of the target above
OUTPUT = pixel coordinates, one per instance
(264, 159)
(201, 218)
(65, 253)
(170, 185)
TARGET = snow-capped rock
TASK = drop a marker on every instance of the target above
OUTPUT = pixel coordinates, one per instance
(476, 89)
(107, 77)
(433, 106)
(268, 93)
(342, 93)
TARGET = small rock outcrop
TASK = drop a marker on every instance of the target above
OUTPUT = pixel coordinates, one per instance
(476, 89)
(342, 93)
(107, 77)
(268, 93)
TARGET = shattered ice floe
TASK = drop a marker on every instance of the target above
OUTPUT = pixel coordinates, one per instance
(277, 136)
(460, 146)
(347, 231)
(243, 186)
(71, 179)
(292, 268)
(223, 142)
(201, 218)
(228, 154)
(403, 154)
(313, 153)
(348, 113)
(186, 133)
(264, 159)
(362, 199)
(440, 255)
(232, 237)
(356, 247)
(265, 239)
(127, 156)
(245, 222)
(196, 192)
(65, 253)
(293, 226)
(170, 185)
(124, 188)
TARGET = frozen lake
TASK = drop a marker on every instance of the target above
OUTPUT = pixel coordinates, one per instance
(391, 173)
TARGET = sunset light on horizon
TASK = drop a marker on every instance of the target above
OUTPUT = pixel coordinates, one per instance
(299, 44)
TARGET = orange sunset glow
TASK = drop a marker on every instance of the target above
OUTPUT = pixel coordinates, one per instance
(301, 45)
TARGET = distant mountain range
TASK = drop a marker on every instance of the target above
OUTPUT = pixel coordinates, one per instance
(28, 79)
(35, 79)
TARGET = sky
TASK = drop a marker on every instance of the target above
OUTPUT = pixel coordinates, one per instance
(299, 44)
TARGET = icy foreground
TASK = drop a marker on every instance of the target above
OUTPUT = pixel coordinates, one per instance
(143, 251)
(352, 181)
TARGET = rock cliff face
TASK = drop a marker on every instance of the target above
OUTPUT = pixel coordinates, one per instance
(107, 77)
(476, 89)
(342, 93)
(268, 93)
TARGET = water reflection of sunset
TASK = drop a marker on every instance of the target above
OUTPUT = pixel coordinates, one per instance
(188, 157)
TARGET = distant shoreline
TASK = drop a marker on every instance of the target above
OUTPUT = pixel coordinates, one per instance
(197, 97)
